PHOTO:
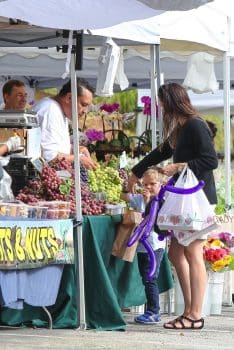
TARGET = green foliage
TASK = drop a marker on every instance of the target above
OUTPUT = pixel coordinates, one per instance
(220, 207)
(65, 186)
(231, 266)
(219, 138)
(220, 182)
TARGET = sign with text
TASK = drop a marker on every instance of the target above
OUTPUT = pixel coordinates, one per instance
(26, 244)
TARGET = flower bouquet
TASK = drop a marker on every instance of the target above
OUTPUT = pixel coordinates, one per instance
(218, 252)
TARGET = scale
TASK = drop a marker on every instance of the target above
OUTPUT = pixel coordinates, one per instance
(19, 167)
(18, 119)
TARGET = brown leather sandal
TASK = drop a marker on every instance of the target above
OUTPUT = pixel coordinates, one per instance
(173, 325)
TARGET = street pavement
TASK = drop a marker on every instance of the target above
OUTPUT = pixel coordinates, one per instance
(216, 335)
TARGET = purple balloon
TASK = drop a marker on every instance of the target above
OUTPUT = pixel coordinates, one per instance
(145, 227)
(190, 190)
(152, 216)
(153, 263)
(137, 232)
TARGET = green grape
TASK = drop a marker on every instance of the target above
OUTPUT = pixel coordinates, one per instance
(106, 179)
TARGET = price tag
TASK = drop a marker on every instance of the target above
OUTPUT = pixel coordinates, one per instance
(123, 160)
(38, 163)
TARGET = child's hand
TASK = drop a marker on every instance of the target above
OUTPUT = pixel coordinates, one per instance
(132, 181)
(146, 195)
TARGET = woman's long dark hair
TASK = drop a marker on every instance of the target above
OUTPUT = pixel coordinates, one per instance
(176, 104)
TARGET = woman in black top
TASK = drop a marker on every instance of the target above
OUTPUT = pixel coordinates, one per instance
(188, 140)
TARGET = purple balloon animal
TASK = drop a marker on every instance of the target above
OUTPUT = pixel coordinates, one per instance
(144, 229)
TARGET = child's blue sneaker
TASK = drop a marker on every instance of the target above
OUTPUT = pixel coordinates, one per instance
(148, 318)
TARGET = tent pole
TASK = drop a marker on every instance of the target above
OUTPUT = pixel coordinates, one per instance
(227, 130)
(153, 89)
(227, 299)
(78, 228)
(158, 72)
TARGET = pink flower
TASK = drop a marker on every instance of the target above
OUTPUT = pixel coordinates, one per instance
(227, 238)
(109, 108)
(213, 255)
(147, 105)
(94, 135)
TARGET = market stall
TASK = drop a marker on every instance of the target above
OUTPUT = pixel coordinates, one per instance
(118, 285)
(46, 36)
(45, 202)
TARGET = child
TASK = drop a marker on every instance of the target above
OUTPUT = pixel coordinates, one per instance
(139, 201)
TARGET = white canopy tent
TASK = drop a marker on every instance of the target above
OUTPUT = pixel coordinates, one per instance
(210, 29)
(44, 66)
(74, 15)
(82, 14)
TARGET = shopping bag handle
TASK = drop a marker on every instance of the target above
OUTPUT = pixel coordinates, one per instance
(184, 170)
(180, 190)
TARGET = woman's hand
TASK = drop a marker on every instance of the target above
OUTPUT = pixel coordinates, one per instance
(173, 168)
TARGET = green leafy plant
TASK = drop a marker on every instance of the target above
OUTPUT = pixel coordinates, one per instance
(66, 186)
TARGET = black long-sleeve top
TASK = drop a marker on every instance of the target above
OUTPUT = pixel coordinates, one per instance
(194, 146)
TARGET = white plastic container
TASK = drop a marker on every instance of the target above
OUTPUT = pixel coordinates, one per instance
(115, 209)
(216, 282)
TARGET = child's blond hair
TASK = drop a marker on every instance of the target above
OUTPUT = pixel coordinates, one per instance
(155, 173)
(151, 172)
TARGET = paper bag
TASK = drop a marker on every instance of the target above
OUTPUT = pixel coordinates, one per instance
(131, 219)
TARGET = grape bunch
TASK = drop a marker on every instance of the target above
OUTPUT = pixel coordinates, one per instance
(31, 193)
(51, 187)
(60, 164)
(107, 180)
(90, 205)
(47, 188)
(63, 164)
(84, 176)
(124, 176)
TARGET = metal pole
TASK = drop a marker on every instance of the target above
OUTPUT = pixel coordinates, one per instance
(158, 70)
(153, 88)
(227, 126)
(80, 267)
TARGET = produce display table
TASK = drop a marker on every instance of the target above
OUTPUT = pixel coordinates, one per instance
(110, 284)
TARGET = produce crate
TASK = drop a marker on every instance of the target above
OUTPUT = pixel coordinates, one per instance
(21, 171)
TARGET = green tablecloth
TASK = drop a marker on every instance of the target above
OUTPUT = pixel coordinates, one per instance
(110, 284)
